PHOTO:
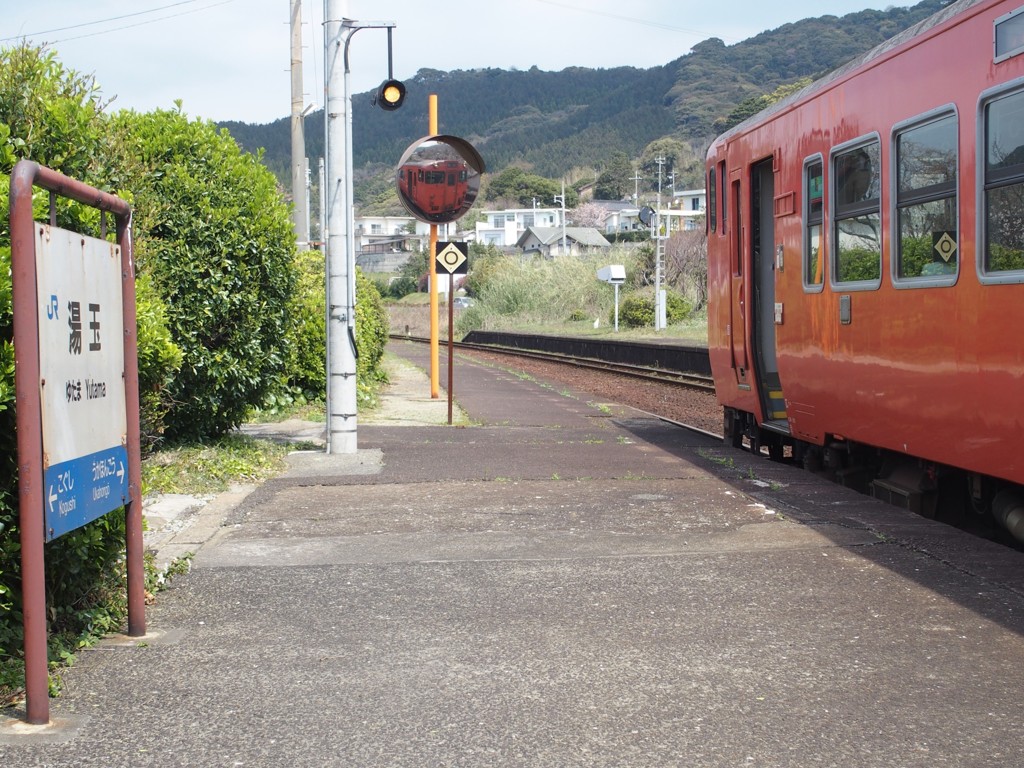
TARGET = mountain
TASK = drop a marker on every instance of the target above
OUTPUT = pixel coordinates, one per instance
(552, 122)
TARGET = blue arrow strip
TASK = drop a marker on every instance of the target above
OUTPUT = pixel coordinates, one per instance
(78, 491)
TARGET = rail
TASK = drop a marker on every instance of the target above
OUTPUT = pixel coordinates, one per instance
(686, 379)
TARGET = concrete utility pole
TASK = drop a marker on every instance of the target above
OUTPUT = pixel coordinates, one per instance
(636, 187)
(561, 199)
(339, 227)
(300, 206)
(341, 352)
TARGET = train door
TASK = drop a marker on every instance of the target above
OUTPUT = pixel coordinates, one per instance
(737, 289)
(762, 246)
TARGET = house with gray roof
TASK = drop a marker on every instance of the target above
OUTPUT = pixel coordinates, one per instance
(547, 241)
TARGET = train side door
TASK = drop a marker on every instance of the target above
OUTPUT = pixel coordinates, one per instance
(737, 287)
(762, 244)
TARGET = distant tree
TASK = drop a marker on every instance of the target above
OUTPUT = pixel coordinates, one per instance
(686, 265)
(615, 182)
(520, 188)
(679, 159)
(753, 105)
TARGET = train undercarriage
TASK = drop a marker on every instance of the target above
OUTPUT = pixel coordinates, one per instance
(981, 504)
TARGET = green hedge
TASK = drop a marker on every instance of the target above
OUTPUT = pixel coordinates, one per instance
(219, 244)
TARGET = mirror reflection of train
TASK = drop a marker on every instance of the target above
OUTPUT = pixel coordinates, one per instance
(438, 178)
(435, 187)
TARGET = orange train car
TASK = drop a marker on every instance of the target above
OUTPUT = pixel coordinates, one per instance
(434, 187)
(866, 268)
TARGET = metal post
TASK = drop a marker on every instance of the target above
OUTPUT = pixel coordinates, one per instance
(616, 307)
(561, 199)
(435, 374)
(30, 445)
(658, 323)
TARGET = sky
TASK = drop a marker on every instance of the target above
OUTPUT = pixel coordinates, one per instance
(230, 59)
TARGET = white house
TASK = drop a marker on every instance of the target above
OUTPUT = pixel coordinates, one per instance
(687, 211)
(383, 243)
(504, 228)
(682, 213)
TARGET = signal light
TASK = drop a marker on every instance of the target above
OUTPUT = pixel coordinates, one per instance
(390, 95)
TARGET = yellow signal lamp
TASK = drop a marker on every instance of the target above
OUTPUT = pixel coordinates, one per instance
(390, 95)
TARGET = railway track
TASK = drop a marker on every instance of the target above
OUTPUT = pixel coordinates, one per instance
(694, 381)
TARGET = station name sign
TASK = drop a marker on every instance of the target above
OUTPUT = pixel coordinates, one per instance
(81, 365)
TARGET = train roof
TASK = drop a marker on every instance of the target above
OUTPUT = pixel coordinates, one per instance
(833, 77)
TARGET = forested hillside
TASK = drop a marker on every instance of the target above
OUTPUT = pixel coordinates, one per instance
(553, 122)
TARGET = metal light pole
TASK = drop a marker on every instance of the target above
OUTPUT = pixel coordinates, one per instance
(339, 228)
(561, 199)
(659, 303)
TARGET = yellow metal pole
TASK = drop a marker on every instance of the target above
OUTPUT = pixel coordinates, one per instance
(435, 376)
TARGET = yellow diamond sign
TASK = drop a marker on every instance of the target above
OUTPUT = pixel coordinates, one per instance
(452, 257)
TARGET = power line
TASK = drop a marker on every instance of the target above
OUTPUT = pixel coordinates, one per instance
(117, 18)
(631, 19)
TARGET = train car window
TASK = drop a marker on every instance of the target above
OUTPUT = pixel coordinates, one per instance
(857, 240)
(1009, 35)
(725, 196)
(712, 201)
(1004, 184)
(814, 195)
(737, 248)
(927, 240)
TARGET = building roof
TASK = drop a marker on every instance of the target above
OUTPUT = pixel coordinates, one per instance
(550, 235)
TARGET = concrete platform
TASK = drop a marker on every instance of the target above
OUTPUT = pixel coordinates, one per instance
(564, 583)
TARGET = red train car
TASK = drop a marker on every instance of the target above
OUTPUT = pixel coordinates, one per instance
(866, 267)
(435, 187)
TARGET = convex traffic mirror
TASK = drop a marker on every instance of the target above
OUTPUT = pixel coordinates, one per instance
(438, 178)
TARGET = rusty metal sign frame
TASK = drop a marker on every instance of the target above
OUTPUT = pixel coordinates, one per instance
(25, 176)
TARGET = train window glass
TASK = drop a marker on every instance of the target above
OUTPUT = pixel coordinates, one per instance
(712, 201)
(1004, 184)
(737, 247)
(926, 200)
(857, 240)
(814, 195)
(1009, 35)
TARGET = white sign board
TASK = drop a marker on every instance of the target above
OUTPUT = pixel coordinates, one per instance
(81, 367)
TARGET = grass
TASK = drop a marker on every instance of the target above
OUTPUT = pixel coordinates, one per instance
(211, 468)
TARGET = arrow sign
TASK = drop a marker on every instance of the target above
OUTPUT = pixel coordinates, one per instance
(453, 257)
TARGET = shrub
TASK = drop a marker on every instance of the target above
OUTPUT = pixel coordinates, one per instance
(307, 334)
(53, 116)
(371, 337)
(159, 360)
(637, 309)
(401, 287)
(219, 245)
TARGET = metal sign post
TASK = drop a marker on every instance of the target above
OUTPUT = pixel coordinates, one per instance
(453, 258)
(78, 400)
